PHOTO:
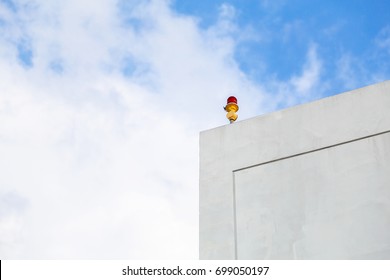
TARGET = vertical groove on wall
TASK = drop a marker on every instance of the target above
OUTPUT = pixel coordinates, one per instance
(234, 217)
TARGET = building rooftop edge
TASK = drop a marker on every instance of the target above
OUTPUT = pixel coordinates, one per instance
(299, 106)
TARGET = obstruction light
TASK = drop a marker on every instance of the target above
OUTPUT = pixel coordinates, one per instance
(231, 108)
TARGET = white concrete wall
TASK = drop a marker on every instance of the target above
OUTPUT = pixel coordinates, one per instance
(309, 182)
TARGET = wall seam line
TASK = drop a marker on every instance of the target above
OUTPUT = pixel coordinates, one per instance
(235, 217)
(310, 151)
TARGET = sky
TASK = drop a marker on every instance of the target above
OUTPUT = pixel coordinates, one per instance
(102, 102)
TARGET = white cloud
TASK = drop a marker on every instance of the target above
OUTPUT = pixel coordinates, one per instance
(108, 163)
(370, 67)
(272, 5)
(12, 210)
(383, 38)
(310, 76)
(354, 72)
(347, 68)
(298, 89)
(99, 136)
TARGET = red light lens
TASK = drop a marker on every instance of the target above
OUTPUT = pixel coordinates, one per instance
(232, 99)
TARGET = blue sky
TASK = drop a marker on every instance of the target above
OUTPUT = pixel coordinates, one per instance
(102, 102)
(283, 31)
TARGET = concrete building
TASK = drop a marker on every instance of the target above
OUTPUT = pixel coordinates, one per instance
(308, 182)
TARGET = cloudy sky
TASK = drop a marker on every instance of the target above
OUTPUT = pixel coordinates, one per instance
(102, 101)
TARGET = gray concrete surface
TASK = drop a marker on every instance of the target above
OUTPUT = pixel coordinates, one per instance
(308, 182)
